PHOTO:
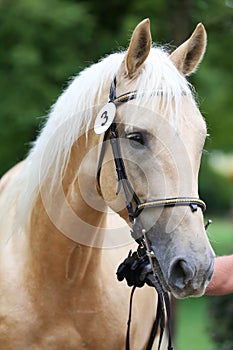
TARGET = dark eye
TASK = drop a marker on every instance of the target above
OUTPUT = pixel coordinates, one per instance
(136, 139)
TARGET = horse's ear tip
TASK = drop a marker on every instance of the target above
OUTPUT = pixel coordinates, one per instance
(200, 26)
(145, 21)
(200, 32)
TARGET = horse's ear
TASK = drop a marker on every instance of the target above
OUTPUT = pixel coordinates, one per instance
(139, 48)
(188, 55)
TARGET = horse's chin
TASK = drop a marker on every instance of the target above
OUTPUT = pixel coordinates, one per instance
(186, 294)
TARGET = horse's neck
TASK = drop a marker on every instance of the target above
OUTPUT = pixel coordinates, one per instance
(55, 252)
(54, 257)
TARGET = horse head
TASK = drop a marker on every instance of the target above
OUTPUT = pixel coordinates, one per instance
(161, 134)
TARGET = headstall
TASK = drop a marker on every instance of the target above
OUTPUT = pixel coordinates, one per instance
(138, 268)
(133, 203)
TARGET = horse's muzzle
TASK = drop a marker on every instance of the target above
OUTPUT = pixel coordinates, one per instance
(186, 279)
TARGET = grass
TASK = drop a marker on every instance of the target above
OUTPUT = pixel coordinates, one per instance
(221, 236)
(192, 318)
(192, 323)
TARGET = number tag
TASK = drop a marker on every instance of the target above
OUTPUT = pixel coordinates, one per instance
(105, 118)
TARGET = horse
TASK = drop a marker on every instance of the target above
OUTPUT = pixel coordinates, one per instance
(64, 230)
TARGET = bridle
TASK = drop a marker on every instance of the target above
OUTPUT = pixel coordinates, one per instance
(135, 207)
(133, 204)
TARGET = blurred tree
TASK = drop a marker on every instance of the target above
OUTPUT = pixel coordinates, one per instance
(214, 80)
(221, 322)
(181, 19)
(215, 188)
(43, 43)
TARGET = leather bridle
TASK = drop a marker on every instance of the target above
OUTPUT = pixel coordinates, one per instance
(144, 254)
(133, 204)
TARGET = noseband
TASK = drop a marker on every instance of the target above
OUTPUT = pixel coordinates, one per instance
(133, 204)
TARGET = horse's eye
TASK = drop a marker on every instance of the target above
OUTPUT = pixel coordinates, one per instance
(136, 139)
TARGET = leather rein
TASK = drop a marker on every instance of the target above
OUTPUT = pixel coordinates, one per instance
(143, 259)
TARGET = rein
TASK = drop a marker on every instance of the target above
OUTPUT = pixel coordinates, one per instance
(138, 268)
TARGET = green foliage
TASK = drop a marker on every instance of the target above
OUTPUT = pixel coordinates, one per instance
(42, 43)
(221, 325)
(214, 79)
(215, 189)
(191, 331)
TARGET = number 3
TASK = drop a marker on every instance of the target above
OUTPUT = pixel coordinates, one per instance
(105, 117)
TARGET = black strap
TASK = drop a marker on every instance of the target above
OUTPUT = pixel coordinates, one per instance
(159, 319)
(122, 179)
(127, 341)
(136, 270)
(168, 310)
(101, 158)
(163, 300)
(112, 93)
(112, 132)
(163, 306)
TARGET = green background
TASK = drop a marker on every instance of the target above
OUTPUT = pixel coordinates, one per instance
(44, 43)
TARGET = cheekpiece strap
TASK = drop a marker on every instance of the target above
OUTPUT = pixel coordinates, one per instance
(112, 93)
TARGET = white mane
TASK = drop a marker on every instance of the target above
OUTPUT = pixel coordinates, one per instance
(71, 114)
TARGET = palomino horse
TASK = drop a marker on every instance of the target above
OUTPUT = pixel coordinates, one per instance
(61, 236)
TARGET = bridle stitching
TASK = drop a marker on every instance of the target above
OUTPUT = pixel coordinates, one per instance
(168, 202)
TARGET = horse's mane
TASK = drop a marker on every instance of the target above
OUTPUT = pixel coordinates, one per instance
(71, 115)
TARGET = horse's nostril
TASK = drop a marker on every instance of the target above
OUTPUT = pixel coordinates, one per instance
(181, 273)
